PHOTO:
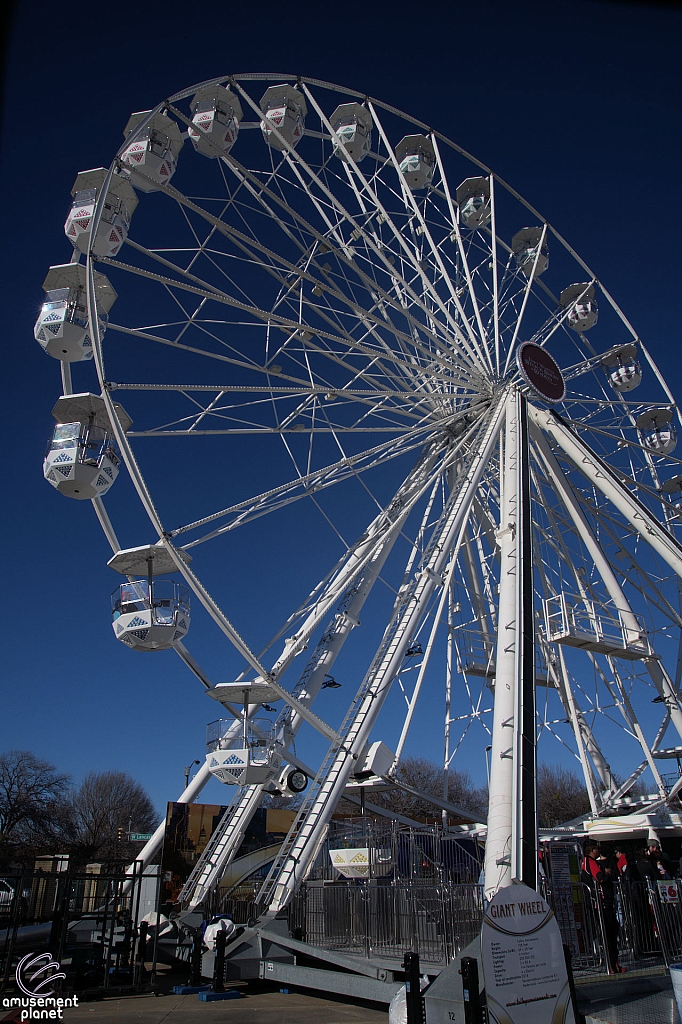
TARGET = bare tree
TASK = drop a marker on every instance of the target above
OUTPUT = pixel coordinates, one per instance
(105, 808)
(33, 816)
(562, 795)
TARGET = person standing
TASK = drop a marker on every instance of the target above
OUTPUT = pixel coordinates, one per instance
(598, 872)
(661, 860)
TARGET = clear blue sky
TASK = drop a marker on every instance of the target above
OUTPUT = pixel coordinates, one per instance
(576, 104)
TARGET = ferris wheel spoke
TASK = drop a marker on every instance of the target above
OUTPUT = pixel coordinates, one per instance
(475, 344)
(259, 314)
(295, 158)
(350, 264)
(531, 278)
(633, 722)
(495, 271)
(472, 345)
(299, 487)
(465, 263)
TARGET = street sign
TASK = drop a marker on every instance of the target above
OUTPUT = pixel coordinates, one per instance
(140, 837)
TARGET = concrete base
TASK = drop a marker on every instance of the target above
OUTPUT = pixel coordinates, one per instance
(444, 998)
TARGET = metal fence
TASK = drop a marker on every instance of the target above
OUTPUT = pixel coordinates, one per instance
(666, 919)
(88, 920)
(642, 924)
(389, 920)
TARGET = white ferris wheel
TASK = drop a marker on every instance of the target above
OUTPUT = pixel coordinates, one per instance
(324, 308)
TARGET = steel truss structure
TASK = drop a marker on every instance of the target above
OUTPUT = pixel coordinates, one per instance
(304, 328)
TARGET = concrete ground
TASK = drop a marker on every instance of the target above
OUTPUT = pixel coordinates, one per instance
(257, 1007)
(640, 998)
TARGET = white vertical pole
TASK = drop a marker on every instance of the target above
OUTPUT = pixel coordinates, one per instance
(499, 839)
(511, 846)
(449, 663)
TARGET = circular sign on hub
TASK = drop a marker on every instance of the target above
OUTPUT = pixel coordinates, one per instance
(541, 372)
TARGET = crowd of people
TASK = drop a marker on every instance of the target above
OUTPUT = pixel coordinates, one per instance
(601, 868)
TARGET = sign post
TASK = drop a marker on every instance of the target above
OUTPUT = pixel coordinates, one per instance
(526, 980)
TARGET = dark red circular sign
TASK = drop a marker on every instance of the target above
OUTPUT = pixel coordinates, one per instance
(540, 371)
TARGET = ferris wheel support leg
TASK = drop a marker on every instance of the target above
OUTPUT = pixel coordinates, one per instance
(581, 731)
(310, 826)
(188, 796)
(662, 542)
(603, 478)
(511, 845)
(348, 589)
(231, 830)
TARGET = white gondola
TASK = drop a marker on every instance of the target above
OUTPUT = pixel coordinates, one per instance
(361, 849)
(82, 461)
(249, 754)
(149, 614)
(623, 368)
(154, 152)
(62, 324)
(656, 430)
(473, 199)
(672, 489)
(525, 246)
(353, 125)
(580, 306)
(217, 111)
(284, 108)
(417, 158)
(119, 205)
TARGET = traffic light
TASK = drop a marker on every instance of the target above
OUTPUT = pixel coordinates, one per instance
(120, 833)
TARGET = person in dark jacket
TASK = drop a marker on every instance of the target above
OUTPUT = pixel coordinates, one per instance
(665, 866)
(645, 865)
(599, 872)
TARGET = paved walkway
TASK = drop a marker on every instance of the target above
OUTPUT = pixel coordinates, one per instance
(630, 1000)
(258, 1008)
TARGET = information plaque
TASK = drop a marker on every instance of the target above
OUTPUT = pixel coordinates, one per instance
(523, 961)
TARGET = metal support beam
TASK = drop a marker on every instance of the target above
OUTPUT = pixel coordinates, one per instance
(511, 846)
(309, 828)
(604, 478)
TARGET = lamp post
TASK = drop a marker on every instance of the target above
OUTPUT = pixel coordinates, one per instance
(188, 769)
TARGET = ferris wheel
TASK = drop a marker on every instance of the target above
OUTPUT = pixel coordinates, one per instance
(310, 322)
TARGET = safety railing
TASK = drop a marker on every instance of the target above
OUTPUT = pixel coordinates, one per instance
(637, 924)
(387, 921)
